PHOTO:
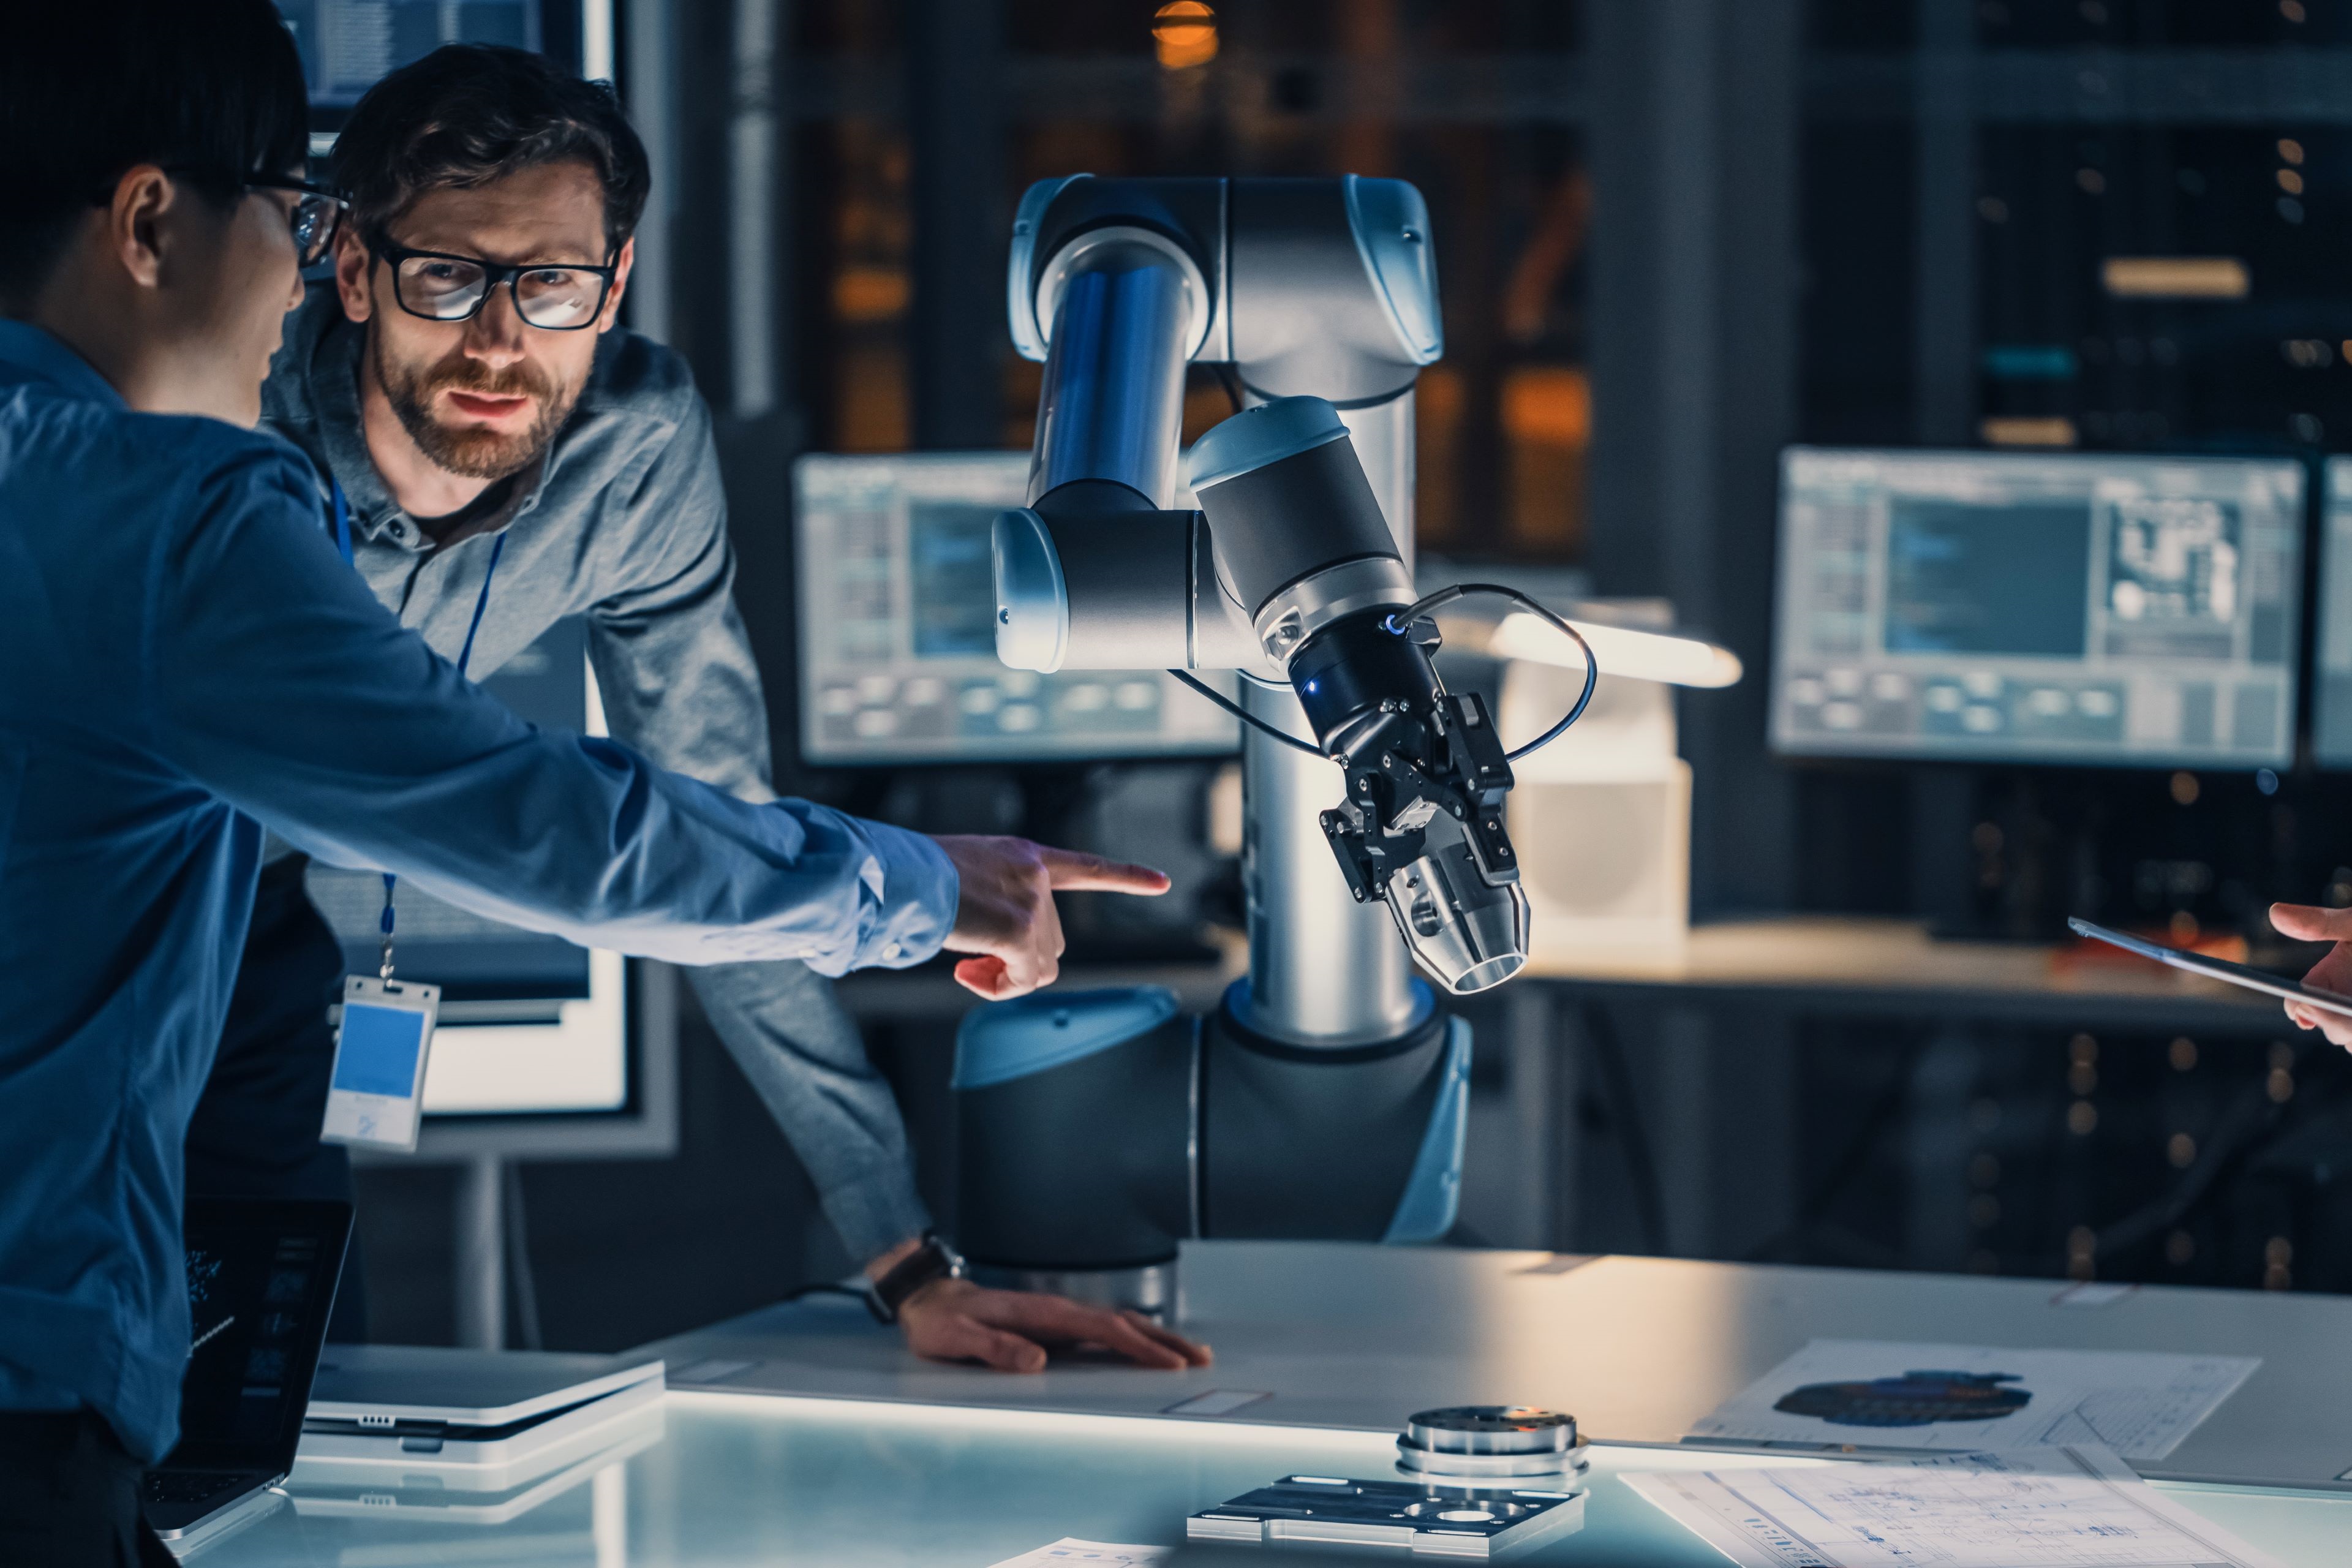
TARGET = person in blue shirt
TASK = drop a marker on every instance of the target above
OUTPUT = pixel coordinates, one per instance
(186, 660)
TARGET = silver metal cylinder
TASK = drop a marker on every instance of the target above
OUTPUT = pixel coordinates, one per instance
(1324, 969)
(1127, 310)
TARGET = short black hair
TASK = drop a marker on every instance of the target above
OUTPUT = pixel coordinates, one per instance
(468, 114)
(90, 89)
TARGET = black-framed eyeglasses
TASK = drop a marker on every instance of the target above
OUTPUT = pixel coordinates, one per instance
(556, 296)
(316, 217)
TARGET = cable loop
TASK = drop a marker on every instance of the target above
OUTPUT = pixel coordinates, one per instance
(1400, 622)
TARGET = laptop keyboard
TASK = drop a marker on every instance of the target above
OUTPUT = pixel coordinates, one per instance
(182, 1488)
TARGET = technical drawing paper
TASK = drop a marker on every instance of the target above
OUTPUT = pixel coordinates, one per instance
(1071, 1552)
(2064, 1507)
(1862, 1393)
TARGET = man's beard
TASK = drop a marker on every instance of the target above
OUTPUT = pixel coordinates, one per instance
(478, 452)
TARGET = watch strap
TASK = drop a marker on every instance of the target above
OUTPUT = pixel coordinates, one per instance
(933, 1259)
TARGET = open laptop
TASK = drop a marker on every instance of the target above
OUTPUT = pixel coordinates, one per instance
(261, 1282)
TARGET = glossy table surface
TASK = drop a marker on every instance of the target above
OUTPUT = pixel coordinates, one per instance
(737, 1480)
(1638, 1349)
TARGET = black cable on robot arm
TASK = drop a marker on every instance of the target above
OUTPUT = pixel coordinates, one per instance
(1398, 624)
(1405, 618)
(1235, 709)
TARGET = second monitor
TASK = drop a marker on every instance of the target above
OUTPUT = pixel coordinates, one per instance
(898, 638)
(2038, 607)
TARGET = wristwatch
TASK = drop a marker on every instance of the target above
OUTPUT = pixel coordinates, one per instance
(933, 1259)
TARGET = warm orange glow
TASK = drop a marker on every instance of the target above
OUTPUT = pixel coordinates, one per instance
(2057, 432)
(2289, 182)
(1185, 34)
(2289, 151)
(2175, 276)
(870, 294)
(1549, 404)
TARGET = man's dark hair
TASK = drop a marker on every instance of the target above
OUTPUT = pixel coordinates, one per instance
(468, 114)
(90, 89)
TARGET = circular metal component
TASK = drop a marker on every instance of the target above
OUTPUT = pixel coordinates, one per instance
(1092, 247)
(1492, 1429)
(1489, 1470)
(1490, 1444)
(1286, 620)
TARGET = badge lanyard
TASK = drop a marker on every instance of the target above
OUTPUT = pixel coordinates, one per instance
(465, 657)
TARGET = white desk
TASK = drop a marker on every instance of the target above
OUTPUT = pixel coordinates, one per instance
(1638, 1349)
(816, 1484)
(807, 1435)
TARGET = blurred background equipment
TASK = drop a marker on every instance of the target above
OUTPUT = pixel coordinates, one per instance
(1679, 240)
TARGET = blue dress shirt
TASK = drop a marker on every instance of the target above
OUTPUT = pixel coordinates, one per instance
(184, 661)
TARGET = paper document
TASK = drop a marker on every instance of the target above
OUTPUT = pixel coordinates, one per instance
(1873, 1394)
(1071, 1552)
(2063, 1507)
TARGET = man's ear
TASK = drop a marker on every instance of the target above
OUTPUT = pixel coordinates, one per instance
(354, 267)
(135, 222)
(621, 265)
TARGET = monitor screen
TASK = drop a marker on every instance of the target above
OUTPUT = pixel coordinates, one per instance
(2331, 695)
(346, 45)
(530, 1023)
(2038, 607)
(898, 637)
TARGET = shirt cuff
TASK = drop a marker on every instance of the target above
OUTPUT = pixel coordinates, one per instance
(874, 1212)
(918, 893)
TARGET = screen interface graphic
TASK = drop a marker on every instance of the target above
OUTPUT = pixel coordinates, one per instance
(2038, 607)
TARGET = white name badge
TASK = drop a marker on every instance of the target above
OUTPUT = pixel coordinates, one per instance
(374, 1096)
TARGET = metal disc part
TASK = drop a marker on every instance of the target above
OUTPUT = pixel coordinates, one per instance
(1491, 1429)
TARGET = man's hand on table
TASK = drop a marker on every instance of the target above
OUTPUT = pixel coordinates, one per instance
(955, 1320)
(2333, 972)
(1006, 914)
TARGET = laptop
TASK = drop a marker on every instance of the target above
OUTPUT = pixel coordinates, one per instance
(261, 1282)
(481, 1419)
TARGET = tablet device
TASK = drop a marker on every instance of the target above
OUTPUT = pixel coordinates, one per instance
(2219, 969)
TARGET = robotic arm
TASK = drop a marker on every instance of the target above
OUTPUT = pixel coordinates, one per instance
(1326, 1096)
(1290, 572)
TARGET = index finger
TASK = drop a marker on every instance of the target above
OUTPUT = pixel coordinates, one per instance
(1076, 871)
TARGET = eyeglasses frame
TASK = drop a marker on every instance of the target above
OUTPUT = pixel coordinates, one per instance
(392, 253)
(338, 205)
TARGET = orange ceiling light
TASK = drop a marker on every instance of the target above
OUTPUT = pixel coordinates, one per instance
(1185, 34)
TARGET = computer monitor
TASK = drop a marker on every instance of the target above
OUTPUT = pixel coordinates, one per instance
(2014, 607)
(898, 637)
(2331, 692)
(346, 45)
(530, 1025)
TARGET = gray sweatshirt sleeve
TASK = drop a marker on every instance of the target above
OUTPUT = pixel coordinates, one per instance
(679, 682)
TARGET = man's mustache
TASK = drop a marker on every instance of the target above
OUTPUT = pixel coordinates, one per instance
(515, 381)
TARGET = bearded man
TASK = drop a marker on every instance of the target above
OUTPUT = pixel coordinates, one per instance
(502, 455)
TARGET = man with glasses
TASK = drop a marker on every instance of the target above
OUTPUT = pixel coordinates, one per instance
(505, 455)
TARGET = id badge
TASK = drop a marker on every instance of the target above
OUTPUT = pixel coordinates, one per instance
(376, 1093)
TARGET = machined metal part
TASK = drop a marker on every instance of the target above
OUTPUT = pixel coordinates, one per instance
(1126, 313)
(1149, 1289)
(1422, 1518)
(1471, 933)
(1285, 621)
(1088, 253)
(1491, 1445)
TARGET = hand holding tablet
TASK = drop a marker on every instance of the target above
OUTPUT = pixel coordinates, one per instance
(2303, 922)
(2322, 1001)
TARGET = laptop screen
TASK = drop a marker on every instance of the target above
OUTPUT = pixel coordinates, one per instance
(261, 1282)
